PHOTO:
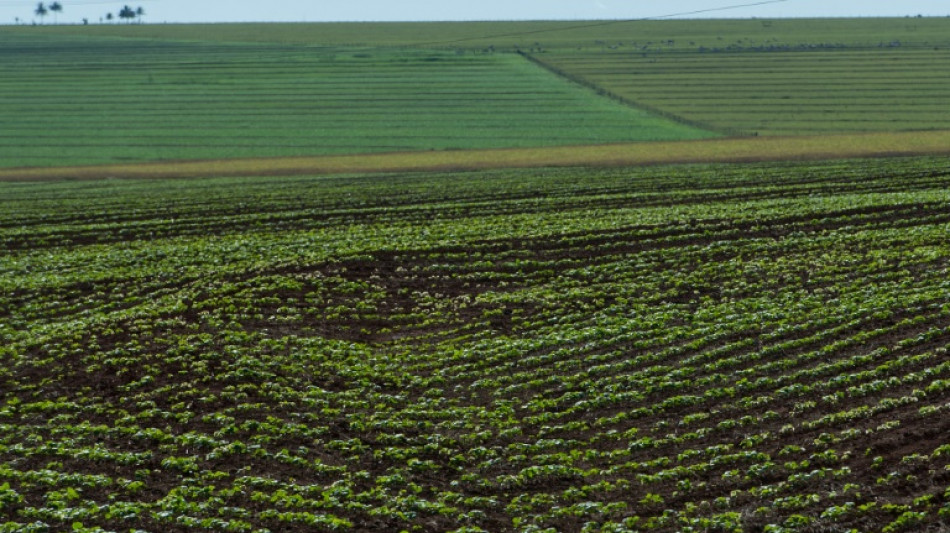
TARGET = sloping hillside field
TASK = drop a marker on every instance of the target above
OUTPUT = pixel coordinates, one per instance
(68, 100)
(735, 77)
(107, 94)
(757, 347)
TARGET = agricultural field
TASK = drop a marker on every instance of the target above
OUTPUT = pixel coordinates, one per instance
(764, 77)
(86, 100)
(783, 92)
(554, 36)
(83, 95)
(418, 277)
(755, 347)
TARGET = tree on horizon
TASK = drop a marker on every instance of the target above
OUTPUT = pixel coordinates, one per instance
(41, 11)
(56, 8)
(127, 13)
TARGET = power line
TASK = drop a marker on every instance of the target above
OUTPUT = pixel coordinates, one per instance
(715, 9)
(604, 23)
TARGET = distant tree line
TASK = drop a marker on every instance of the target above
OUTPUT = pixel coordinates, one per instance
(42, 10)
(127, 13)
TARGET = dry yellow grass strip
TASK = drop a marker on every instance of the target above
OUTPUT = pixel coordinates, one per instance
(633, 154)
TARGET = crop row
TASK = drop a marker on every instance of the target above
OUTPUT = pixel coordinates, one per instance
(749, 347)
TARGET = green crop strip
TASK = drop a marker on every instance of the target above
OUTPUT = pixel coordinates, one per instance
(679, 348)
(777, 91)
(69, 101)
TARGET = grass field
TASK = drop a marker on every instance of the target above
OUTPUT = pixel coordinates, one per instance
(757, 347)
(69, 101)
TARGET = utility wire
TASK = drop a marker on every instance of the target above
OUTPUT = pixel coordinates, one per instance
(604, 23)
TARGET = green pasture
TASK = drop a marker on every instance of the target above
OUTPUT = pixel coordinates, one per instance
(80, 100)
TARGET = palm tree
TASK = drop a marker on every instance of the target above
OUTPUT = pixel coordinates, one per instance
(108, 17)
(40, 11)
(140, 12)
(56, 7)
(127, 13)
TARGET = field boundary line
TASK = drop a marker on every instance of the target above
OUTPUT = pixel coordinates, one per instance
(607, 93)
(732, 150)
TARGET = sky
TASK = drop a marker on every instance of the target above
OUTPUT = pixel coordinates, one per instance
(400, 10)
